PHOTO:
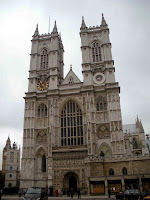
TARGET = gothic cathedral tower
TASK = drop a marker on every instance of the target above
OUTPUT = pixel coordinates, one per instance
(68, 124)
(99, 78)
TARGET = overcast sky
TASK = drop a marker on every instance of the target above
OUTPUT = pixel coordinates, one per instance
(129, 24)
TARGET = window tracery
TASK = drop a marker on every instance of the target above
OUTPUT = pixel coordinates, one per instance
(101, 104)
(71, 125)
(42, 110)
(44, 59)
(96, 52)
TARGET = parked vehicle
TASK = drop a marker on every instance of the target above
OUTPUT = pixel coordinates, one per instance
(128, 194)
(36, 194)
(147, 198)
(146, 193)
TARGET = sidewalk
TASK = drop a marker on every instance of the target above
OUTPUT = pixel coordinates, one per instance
(83, 197)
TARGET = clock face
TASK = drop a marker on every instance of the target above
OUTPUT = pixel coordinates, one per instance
(42, 85)
(99, 78)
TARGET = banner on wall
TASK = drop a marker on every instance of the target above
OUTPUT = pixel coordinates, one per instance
(97, 187)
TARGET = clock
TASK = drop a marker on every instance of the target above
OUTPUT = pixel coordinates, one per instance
(42, 85)
(99, 78)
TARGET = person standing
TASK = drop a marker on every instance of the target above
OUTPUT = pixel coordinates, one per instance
(56, 193)
(109, 192)
(79, 194)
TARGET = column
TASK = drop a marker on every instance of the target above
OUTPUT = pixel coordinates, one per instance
(140, 184)
(123, 184)
(106, 187)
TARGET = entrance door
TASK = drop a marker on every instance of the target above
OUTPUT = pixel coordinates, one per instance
(73, 183)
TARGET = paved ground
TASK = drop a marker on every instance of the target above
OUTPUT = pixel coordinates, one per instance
(15, 197)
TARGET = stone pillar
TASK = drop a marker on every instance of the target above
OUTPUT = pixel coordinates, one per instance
(123, 184)
(106, 187)
(140, 184)
(88, 186)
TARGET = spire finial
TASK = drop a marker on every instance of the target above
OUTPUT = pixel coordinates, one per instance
(141, 127)
(71, 67)
(36, 33)
(83, 25)
(103, 23)
(55, 28)
(137, 122)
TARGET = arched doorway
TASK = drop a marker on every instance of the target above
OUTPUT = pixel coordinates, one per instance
(73, 183)
(71, 180)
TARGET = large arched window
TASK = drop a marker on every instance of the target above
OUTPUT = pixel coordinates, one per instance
(96, 52)
(71, 125)
(43, 163)
(42, 110)
(44, 59)
(124, 170)
(101, 104)
(111, 172)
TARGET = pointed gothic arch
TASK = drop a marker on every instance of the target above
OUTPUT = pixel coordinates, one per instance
(71, 180)
(105, 148)
(111, 172)
(124, 171)
(40, 159)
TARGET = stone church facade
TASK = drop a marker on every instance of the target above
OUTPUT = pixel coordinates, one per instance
(73, 132)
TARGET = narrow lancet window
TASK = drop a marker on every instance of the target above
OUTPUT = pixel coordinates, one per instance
(96, 52)
(44, 59)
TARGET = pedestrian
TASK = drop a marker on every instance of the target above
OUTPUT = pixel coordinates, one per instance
(19, 193)
(56, 193)
(109, 192)
(71, 193)
(79, 194)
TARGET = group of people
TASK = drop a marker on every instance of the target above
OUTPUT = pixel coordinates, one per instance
(78, 192)
(71, 193)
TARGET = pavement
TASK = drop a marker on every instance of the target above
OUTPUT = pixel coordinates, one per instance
(84, 197)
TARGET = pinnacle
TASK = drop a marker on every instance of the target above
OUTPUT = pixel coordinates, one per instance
(83, 25)
(141, 127)
(36, 33)
(103, 23)
(137, 122)
(55, 28)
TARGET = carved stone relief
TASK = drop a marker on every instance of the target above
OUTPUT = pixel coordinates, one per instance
(41, 136)
(103, 131)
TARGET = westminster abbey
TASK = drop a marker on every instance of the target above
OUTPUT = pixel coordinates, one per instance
(73, 134)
